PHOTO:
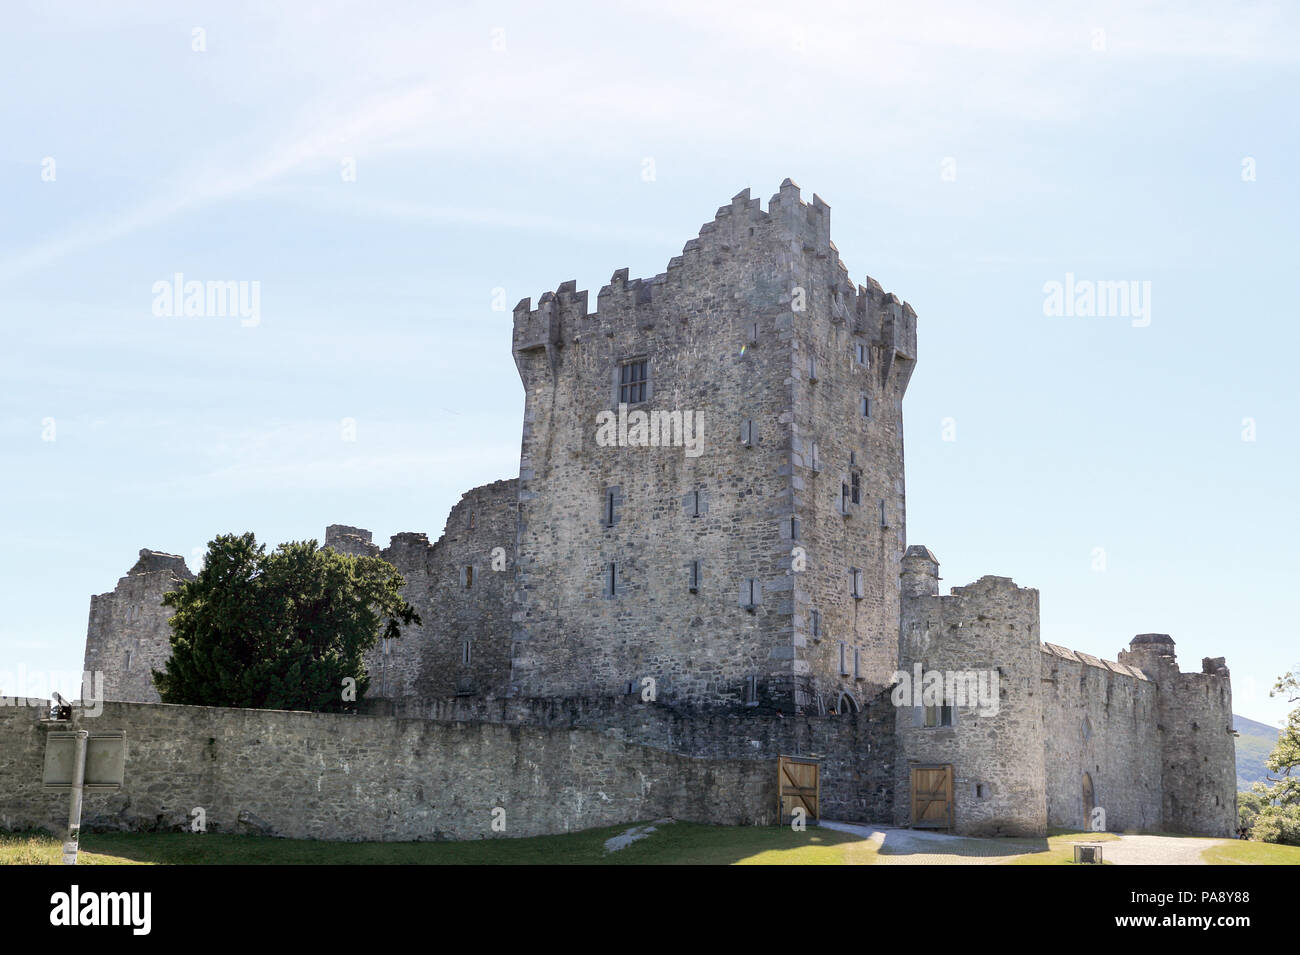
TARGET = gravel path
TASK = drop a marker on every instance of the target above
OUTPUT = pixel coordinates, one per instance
(919, 847)
(1156, 850)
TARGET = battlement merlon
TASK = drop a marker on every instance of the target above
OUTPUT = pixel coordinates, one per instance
(800, 230)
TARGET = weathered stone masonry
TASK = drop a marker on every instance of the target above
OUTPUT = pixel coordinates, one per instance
(792, 509)
(347, 777)
(128, 635)
(1152, 747)
(735, 544)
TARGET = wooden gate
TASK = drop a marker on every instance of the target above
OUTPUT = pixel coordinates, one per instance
(932, 797)
(798, 786)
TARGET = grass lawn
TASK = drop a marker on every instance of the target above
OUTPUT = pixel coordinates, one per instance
(680, 843)
(1240, 852)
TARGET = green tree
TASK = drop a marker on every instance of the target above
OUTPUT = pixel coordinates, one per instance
(283, 630)
(1277, 803)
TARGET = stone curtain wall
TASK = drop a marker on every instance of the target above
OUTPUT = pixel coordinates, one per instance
(128, 635)
(1100, 718)
(856, 749)
(352, 778)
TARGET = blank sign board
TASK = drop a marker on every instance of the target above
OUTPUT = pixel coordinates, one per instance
(105, 760)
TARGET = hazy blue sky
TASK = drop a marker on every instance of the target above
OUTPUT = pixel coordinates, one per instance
(970, 155)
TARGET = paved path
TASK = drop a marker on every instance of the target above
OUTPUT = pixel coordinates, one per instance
(1157, 850)
(918, 847)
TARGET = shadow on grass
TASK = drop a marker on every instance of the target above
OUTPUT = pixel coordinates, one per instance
(677, 843)
(905, 842)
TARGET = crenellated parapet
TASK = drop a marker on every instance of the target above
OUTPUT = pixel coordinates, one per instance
(792, 242)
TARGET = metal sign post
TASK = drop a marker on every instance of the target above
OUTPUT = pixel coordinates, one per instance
(74, 813)
(79, 761)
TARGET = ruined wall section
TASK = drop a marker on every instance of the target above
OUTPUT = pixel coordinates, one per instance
(466, 649)
(998, 766)
(462, 586)
(353, 541)
(394, 665)
(128, 634)
(1198, 749)
(1102, 742)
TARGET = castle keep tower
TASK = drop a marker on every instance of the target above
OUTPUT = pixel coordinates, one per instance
(711, 485)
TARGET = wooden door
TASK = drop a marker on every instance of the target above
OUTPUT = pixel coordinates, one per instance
(798, 786)
(932, 797)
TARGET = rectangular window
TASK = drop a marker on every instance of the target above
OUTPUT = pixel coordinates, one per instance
(812, 367)
(748, 433)
(695, 504)
(464, 653)
(938, 716)
(844, 497)
(860, 353)
(128, 658)
(856, 577)
(633, 378)
(751, 593)
(751, 689)
(855, 487)
(844, 659)
(794, 528)
(816, 457)
(864, 406)
(695, 577)
(857, 664)
(853, 458)
(611, 579)
(471, 520)
(815, 623)
(883, 522)
(469, 576)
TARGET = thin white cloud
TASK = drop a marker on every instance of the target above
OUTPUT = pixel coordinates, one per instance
(692, 75)
(366, 205)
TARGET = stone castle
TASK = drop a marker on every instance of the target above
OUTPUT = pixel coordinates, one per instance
(705, 551)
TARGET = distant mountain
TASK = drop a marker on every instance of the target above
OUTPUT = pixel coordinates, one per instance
(1254, 744)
